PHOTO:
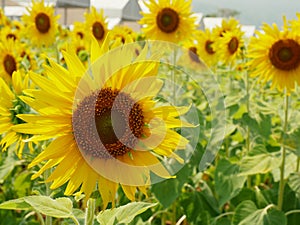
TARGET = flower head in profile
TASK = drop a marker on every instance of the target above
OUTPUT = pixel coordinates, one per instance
(12, 105)
(190, 57)
(230, 47)
(96, 24)
(29, 58)
(168, 20)
(78, 31)
(8, 33)
(275, 56)
(206, 51)
(123, 33)
(228, 25)
(41, 24)
(106, 126)
(9, 58)
(16, 25)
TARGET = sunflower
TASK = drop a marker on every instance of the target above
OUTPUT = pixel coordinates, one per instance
(190, 56)
(11, 106)
(9, 58)
(8, 33)
(205, 46)
(28, 58)
(295, 24)
(107, 129)
(228, 25)
(275, 55)
(96, 24)
(82, 49)
(124, 33)
(78, 31)
(16, 24)
(230, 46)
(80, 46)
(168, 20)
(41, 24)
(64, 33)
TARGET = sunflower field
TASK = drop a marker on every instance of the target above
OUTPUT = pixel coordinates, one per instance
(172, 124)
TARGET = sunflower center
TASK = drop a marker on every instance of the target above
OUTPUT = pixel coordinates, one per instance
(98, 30)
(193, 54)
(42, 22)
(80, 35)
(11, 36)
(79, 48)
(285, 54)
(108, 123)
(115, 127)
(10, 64)
(167, 20)
(233, 45)
(208, 47)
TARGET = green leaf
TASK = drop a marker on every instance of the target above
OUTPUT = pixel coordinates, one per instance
(243, 210)
(16, 204)
(8, 165)
(204, 218)
(168, 190)
(141, 222)
(245, 194)
(294, 182)
(79, 214)
(242, 109)
(123, 214)
(22, 183)
(227, 182)
(266, 216)
(261, 127)
(261, 199)
(58, 208)
(262, 163)
(289, 167)
(230, 129)
(209, 200)
(223, 221)
(293, 141)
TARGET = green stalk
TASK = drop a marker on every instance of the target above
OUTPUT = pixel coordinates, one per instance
(173, 76)
(174, 207)
(90, 212)
(292, 212)
(48, 220)
(283, 152)
(75, 220)
(248, 129)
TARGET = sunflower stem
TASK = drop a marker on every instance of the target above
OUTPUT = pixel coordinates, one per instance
(90, 212)
(48, 219)
(75, 220)
(292, 212)
(174, 207)
(248, 128)
(173, 76)
(283, 152)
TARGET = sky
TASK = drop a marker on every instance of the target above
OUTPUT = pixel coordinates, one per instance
(252, 12)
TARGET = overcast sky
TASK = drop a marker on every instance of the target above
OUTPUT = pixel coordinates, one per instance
(252, 12)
